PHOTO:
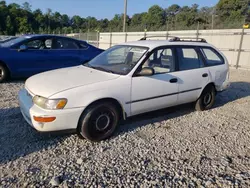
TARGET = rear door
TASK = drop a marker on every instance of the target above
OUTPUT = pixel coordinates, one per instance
(64, 53)
(216, 65)
(192, 74)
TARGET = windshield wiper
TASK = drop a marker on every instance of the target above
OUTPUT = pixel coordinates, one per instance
(99, 68)
(103, 69)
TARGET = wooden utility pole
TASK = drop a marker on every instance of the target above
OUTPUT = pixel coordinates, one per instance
(125, 15)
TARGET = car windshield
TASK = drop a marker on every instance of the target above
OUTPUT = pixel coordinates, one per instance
(13, 41)
(8, 39)
(118, 59)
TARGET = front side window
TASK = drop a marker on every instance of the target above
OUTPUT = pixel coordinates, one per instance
(39, 44)
(188, 59)
(35, 44)
(118, 59)
(161, 60)
(212, 58)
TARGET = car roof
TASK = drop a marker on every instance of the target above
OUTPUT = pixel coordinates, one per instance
(157, 43)
(46, 35)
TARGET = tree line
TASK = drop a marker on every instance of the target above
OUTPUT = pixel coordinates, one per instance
(20, 19)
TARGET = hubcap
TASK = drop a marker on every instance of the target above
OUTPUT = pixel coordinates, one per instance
(1, 72)
(102, 122)
(207, 99)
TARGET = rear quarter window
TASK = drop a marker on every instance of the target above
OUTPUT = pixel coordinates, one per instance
(212, 57)
(83, 46)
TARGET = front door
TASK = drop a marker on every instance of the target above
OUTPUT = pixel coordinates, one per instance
(159, 90)
(32, 60)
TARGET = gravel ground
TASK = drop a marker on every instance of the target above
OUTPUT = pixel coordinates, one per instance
(176, 147)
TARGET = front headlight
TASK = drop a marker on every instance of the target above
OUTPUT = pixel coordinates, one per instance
(49, 104)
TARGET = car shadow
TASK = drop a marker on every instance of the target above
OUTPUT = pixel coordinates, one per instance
(18, 139)
(17, 80)
(237, 90)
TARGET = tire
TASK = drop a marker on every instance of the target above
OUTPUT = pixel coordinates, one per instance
(206, 100)
(3, 73)
(98, 122)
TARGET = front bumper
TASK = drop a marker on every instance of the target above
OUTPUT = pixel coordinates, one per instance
(65, 119)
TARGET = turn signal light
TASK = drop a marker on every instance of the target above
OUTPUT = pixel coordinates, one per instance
(61, 104)
(44, 119)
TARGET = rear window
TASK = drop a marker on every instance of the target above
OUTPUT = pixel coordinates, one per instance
(212, 57)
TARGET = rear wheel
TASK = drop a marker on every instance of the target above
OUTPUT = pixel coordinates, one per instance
(206, 100)
(3, 73)
(98, 122)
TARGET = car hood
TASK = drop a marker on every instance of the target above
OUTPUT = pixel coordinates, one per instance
(49, 83)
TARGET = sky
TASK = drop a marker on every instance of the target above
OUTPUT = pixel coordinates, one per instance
(105, 8)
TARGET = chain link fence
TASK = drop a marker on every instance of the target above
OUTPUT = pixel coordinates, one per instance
(234, 43)
(90, 37)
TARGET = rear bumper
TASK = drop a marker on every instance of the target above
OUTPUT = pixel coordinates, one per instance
(223, 86)
(66, 119)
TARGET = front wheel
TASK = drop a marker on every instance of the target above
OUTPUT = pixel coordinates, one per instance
(206, 100)
(3, 73)
(98, 122)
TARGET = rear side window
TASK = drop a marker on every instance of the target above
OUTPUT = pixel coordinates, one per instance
(83, 46)
(64, 44)
(212, 57)
(188, 59)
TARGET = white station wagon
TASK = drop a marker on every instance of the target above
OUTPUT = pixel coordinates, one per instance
(123, 81)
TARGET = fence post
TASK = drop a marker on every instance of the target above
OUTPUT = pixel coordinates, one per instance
(126, 36)
(98, 38)
(197, 32)
(240, 48)
(167, 32)
(79, 36)
(88, 36)
(145, 33)
(110, 39)
(167, 35)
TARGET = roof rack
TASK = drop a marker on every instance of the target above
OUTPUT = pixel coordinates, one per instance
(177, 39)
(155, 36)
(187, 39)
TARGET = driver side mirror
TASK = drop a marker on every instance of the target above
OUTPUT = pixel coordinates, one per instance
(23, 48)
(146, 71)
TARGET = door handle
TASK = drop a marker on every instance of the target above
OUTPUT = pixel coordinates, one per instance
(205, 75)
(173, 80)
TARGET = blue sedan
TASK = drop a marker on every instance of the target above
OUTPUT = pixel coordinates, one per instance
(31, 54)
